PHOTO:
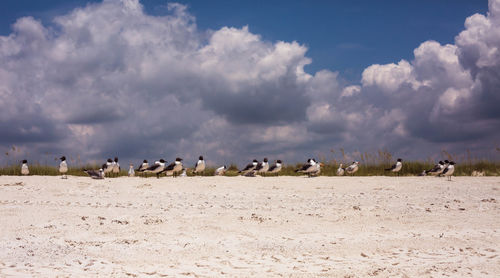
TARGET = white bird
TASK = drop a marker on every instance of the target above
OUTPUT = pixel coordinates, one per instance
(221, 171)
(305, 166)
(108, 167)
(310, 168)
(116, 167)
(144, 166)
(63, 167)
(353, 168)
(340, 170)
(174, 167)
(448, 172)
(276, 168)
(183, 174)
(200, 165)
(437, 169)
(396, 167)
(24, 168)
(157, 168)
(261, 168)
(131, 171)
(317, 168)
(95, 174)
(249, 167)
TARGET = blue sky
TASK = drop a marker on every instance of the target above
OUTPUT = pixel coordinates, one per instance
(238, 80)
(342, 35)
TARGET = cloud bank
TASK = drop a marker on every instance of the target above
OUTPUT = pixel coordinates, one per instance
(108, 79)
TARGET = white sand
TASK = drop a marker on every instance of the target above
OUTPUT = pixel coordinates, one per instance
(210, 226)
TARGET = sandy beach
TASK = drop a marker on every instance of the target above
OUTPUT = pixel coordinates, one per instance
(239, 227)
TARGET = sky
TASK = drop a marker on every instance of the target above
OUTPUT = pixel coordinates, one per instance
(343, 35)
(238, 80)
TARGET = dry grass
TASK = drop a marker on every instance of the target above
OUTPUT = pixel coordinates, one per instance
(371, 164)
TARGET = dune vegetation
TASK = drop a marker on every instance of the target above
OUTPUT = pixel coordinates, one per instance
(371, 164)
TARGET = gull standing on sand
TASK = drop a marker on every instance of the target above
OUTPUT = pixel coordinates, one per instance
(448, 172)
(396, 167)
(116, 167)
(249, 167)
(340, 170)
(183, 174)
(63, 167)
(221, 171)
(309, 168)
(143, 166)
(131, 172)
(276, 168)
(262, 167)
(437, 169)
(305, 166)
(96, 174)
(24, 168)
(108, 167)
(353, 168)
(200, 165)
(157, 168)
(174, 167)
(317, 168)
(445, 165)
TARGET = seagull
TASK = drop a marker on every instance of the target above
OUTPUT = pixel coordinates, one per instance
(116, 167)
(276, 168)
(309, 168)
(131, 171)
(174, 167)
(316, 168)
(96, 174)
(200, 166)
(448, 172)
(396, 167)
(446, 163)
(63, 167)
(261, 168)
(437, 169)
(249, 167)
(353, 168)
(108, 167)
(221, 171)
(24, 168)
(305, 166)
(143, 166)
(183, 174)
(340, 170)
(157, 168)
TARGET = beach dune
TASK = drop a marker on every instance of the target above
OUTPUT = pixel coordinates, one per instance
(239, 226)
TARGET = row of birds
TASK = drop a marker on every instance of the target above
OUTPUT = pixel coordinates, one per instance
(442, 168)
(310, 168)
(160, 166)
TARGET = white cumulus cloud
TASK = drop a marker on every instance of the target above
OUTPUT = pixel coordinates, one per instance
(109, 79)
